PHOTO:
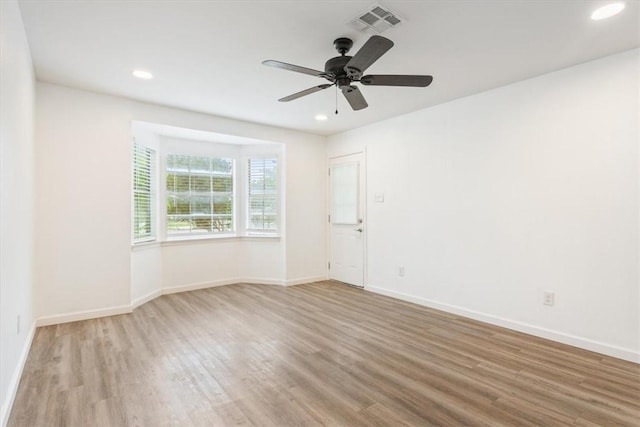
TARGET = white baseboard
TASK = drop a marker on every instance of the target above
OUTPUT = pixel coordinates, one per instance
(290, 282)
(304, 280)
(260, 281)
(201, 285)
(145, 298)
(82, 315)
(5, 410)
(233, 281)
(564, 338)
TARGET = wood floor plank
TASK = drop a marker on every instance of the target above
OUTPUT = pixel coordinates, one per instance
(310, 355)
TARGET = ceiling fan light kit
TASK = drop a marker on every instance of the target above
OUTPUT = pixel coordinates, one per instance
(342, 71)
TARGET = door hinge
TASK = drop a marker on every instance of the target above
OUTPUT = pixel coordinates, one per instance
(329, 170)
(329, 265)
(329, 218)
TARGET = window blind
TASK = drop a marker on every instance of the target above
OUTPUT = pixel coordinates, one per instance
(143, 193)
(262, 197)
(199, 194)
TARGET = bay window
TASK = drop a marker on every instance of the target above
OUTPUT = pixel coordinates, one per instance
(184, 190)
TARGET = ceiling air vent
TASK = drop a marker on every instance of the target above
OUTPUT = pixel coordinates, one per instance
(375, 20)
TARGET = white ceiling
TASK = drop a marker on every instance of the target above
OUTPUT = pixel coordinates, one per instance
(206, 55)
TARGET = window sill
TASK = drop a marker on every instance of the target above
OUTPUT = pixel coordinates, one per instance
(142, 246)
(261, 237)
(188, 240)
(216, 239)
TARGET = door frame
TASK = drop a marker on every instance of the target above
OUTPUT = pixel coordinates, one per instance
(363, 168)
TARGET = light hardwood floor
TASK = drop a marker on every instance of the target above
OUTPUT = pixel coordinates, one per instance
(317, 354)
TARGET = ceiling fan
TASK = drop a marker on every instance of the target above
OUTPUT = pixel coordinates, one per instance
(344, 70)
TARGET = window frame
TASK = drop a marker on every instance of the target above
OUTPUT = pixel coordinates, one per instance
(247, 194)
(153, 194)
(165, 193)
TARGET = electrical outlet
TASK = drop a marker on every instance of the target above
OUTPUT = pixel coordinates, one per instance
(401, 271)
(549, 298)
(18, 324)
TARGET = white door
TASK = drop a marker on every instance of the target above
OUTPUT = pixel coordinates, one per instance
(346, 219)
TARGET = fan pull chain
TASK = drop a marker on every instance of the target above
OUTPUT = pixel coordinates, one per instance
(336, 99)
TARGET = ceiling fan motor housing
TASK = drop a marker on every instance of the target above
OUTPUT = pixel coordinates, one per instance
(335, 67)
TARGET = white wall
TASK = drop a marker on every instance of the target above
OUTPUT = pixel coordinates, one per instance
(16, 200)
(306, 182)
(84, 260)
(184, 265)
(146, 273)
(82, 210)
(494, 198)
(211, 261)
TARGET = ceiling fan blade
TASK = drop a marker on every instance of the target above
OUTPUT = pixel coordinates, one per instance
(396, 80)
(372, 50)
(291, 67)
(304, 92)
(354, 97)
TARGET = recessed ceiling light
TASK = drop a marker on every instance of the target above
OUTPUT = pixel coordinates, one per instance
(607, 11)
(141, 74)
(321, 117)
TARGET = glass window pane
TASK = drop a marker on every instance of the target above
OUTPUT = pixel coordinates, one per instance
(182, 183)
(257, 221)
(201, 223)
(201, 205)
(178, 224)
(200, 164)
(222, 184)
(176, 162)
(222, 223)
(180, 204)
(344, 193)
(177, 182)
(201, 183)
(222, 205)
(262, 197)
(269, 222)
(143, 193)
(222, 165)
(171, 182)
(171, 204)
(269, 203)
